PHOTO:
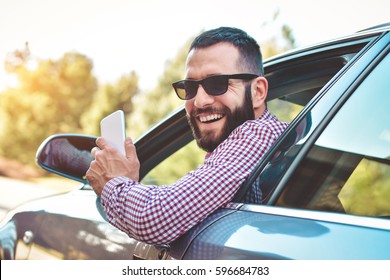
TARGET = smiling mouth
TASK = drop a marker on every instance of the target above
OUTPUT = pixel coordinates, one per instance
(210, 118)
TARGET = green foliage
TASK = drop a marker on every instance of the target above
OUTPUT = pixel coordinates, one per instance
(56, 96)
(109, 98)
(176, 166)
(367, 190)
(49, 99)
(285, 111)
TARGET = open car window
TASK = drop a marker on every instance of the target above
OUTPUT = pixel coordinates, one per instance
(175, 166)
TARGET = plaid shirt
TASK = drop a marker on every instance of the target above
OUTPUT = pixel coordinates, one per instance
(160, 214)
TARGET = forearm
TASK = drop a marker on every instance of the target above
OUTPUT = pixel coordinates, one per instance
(159, 215)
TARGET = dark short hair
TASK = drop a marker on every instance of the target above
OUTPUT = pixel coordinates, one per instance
(248, 48)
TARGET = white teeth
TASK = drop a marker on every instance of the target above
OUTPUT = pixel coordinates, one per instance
(210, 117)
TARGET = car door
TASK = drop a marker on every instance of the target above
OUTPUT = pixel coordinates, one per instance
(73, 226)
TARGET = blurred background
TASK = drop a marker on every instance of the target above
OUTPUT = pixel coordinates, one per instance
(67, 64)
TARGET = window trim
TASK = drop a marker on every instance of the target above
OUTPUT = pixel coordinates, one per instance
(315, 215)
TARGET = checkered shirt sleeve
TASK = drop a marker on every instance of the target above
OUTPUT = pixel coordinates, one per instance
(160, 214)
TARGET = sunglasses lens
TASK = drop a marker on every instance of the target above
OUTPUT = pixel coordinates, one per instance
(183, 89)
(216, 85)
(181, 93)
(191, 88)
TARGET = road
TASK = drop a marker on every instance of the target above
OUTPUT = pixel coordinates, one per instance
(15, 192)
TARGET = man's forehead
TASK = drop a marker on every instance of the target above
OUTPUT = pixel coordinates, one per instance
(219, 58)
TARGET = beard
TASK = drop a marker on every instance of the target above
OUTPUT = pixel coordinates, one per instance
(209, 140)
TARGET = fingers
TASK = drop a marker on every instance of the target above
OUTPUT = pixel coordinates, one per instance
(101, 142)
(94, 151)
(129, 147)
(93, 179)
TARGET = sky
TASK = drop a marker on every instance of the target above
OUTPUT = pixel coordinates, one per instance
(121, 36)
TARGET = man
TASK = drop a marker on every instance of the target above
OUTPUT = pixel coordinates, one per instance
(225, 94)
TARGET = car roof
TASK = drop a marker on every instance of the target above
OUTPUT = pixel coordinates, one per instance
(364, 33)
(297, 75)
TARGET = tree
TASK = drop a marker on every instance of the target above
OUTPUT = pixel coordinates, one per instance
(109, 98)
(49, 99)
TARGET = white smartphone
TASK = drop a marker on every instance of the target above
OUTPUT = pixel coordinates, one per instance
(113, 129)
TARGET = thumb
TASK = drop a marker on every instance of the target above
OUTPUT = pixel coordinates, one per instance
(129, 147)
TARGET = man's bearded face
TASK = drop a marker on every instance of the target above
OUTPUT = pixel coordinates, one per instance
(209, 140)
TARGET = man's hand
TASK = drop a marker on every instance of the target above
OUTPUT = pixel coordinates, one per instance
(110, 163)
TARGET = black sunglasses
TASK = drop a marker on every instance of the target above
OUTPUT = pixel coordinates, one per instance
(213, 85)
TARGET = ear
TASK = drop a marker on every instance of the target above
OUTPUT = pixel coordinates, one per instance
(259, 93)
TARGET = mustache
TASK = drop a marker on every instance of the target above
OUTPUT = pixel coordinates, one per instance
(209, 110)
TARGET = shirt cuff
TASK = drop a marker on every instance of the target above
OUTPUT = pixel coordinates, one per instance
(110, 186)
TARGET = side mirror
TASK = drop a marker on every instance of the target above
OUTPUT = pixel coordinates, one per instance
(68, 155)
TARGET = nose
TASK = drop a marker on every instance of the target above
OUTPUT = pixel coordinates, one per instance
(202, 99)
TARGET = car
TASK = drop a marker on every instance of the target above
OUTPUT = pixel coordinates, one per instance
(325, 183)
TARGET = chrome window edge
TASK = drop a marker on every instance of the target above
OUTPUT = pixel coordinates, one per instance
(321, 216)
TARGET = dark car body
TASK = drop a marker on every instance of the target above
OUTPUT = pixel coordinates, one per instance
(325, 183)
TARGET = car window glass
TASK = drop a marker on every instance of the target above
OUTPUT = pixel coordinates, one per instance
(263, 185)
(284, 110)
(348, 168)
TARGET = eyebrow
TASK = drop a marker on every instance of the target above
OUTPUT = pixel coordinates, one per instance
(210, 75)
